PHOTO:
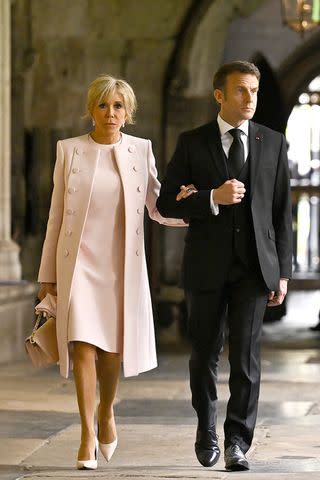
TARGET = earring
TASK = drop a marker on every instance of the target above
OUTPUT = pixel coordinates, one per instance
(93, 122)
(124, 124)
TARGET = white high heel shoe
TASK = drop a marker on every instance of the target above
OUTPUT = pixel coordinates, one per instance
(89, 464)
(107, 449)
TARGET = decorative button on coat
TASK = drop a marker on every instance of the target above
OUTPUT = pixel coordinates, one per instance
(131, 148)
(66, 253)
(139, 211)
(139, 189)
(75, 170)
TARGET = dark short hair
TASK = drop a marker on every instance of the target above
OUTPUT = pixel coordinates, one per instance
(220, 77)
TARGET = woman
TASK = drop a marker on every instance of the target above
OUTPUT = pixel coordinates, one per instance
(94, 259)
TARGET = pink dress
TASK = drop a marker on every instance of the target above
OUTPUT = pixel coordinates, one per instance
(96, 317)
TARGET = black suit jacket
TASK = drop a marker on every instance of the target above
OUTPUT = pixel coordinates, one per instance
(199, 159)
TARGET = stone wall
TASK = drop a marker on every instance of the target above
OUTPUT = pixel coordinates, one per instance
(59, 47)
(74, 41)
(168, 50)
(17, 317)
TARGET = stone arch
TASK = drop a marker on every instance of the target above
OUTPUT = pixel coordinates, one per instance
(187, 89)
(299, 69)
(270, 98)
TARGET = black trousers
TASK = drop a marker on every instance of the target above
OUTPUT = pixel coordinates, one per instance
(241, 300)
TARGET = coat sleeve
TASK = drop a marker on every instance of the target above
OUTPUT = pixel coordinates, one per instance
(47, 271)
(153, 190)
(282, 213)
(179, 173)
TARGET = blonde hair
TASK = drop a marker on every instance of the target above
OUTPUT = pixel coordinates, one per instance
(105, 85)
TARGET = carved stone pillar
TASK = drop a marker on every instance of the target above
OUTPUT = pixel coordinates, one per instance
(10, 267)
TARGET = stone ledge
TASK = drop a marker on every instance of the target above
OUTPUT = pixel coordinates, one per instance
(17, 290)
(17, 301)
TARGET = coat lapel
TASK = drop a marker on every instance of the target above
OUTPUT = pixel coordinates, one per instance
(255, 149)
(128, 161)
(215, 146)
(80, 179)
(125, 152)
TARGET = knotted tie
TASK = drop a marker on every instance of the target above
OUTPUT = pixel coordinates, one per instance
(236, 153)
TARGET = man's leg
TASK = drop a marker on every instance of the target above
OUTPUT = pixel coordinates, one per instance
(246, 306)
(205, 329)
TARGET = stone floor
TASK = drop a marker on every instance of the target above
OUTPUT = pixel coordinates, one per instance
(39, 425)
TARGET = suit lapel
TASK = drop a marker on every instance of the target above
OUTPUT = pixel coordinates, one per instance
(255, 150)
(215, 146)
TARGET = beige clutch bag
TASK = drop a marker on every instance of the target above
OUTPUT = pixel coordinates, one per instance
(41, 345)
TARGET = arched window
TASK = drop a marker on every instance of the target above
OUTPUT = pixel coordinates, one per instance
(303, 135)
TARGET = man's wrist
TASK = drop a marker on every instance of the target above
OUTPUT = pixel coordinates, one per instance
(214, 206)
(213, 199)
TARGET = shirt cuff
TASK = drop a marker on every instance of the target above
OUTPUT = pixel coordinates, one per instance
(214, 206)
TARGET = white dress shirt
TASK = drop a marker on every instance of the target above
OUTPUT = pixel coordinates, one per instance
(226, 140)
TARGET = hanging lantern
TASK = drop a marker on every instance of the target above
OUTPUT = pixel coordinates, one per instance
(301, 15)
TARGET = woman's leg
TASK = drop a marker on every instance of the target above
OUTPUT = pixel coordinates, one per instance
(108, 367)
(84, 372)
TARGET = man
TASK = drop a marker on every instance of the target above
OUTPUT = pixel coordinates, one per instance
(237, 255)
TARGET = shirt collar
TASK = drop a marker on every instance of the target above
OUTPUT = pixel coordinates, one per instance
(224, 127)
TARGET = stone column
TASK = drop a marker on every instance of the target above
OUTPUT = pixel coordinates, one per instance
(10, 267)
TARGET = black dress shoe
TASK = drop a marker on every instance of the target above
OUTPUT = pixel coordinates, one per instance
(315, 328)
(235, 459)
(206, 447)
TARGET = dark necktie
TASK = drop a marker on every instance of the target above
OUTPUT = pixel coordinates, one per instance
(236, 153)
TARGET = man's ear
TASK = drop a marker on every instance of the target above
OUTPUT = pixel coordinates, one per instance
(218, 95)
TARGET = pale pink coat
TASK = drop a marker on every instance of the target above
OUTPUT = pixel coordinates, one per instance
(75, 168)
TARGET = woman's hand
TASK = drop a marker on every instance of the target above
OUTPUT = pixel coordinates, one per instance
(186, 191)
(47, 288)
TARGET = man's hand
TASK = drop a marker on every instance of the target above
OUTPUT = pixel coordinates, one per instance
(276, 298)
(186, 191)
(229, 193)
